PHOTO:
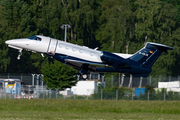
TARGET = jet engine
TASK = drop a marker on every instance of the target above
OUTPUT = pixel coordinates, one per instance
(112, 59)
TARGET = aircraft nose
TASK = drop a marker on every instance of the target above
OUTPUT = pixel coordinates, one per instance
(7, 41)
(11, 42)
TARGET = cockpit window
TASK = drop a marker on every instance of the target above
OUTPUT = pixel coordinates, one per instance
(35, 38)
(38, 39)
(32, 37)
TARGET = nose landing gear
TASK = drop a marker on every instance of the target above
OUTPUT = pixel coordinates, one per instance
(20, 53)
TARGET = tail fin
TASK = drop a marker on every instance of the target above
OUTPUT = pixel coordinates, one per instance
(149, 54)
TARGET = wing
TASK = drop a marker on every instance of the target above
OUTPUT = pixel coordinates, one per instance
(86, 65)
(84, 62)
(91, 66)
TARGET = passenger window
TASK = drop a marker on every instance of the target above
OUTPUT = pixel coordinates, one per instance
(92, 54)
(81, 51)
(60, 45)
(67, 47)
(74, 49)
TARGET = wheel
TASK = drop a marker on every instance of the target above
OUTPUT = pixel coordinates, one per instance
(84, 76)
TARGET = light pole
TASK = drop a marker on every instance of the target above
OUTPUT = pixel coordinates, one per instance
(103, 83)
(33, 78)
(65, 26)
(42, 80)
(145, 37)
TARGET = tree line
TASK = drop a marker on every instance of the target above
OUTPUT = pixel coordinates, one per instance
(121, 26)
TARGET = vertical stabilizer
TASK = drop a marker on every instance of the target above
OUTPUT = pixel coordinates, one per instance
(149, 54)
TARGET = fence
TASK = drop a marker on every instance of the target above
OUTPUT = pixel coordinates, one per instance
(31, 92)
(109, 81)
(26, 78)
(34, 88)
(133, 81)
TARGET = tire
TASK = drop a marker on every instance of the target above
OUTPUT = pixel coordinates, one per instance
(84, 76)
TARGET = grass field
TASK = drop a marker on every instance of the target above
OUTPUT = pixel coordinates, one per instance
(34, 109)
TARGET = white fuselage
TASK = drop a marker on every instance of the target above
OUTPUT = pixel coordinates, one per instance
(51, 45)
(77, 51)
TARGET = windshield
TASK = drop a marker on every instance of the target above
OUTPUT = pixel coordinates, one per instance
(35, 38)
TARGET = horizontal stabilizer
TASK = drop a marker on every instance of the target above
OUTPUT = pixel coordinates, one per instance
(160, 47)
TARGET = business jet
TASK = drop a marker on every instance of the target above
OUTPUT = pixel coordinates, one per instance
(86, 60)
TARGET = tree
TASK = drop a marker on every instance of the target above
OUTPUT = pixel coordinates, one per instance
(19, 20)
(5, 59)
(82, 15)
(117, 25)
(158, 22)
(14, 21)
(58, 76)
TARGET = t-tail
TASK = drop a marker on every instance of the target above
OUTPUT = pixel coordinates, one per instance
(149, 54)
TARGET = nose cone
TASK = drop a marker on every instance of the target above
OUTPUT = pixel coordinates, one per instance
(11, 42)
(7, 41)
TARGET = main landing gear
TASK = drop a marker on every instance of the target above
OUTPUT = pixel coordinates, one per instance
(83, 75)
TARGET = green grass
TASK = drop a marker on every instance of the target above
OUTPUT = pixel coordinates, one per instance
(87, 109)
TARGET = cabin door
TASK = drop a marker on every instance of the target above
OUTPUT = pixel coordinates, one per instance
(52, 47)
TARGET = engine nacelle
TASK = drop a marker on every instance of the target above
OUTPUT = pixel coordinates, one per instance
(111, 59)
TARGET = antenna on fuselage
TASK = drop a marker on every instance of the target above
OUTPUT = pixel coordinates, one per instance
(96, 48)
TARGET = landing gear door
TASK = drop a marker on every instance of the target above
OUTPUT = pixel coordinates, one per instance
(52, 47)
